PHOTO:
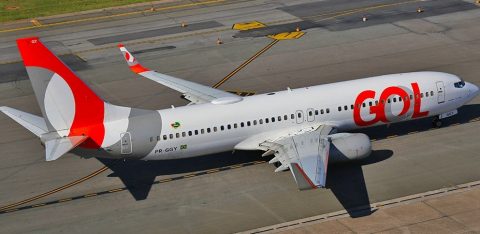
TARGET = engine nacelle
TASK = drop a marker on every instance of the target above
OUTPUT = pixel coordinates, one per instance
(349, 146)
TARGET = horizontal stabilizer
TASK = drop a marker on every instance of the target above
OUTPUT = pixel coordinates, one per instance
(33, 123)
(57, 147)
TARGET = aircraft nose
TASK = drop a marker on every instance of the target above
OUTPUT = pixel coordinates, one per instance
(473, 89)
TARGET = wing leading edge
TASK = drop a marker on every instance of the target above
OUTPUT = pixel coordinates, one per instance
(192, 91)
(306, 155)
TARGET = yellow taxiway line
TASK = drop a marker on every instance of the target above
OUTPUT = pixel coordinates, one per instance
(38, 25)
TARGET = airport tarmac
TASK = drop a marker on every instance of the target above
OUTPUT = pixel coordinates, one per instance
(408, 158)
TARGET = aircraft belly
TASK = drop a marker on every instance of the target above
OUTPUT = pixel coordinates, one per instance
(192, 148)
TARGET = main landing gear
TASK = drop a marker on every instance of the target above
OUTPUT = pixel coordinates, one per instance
(437, 122)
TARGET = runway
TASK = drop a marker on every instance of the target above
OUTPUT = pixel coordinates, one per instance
(228, 192)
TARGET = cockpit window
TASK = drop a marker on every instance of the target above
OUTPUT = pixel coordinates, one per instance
(459, 84)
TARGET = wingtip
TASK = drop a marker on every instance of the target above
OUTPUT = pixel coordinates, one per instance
(120, 45)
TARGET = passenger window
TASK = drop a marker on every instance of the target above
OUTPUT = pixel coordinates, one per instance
(189, 133)
(369, 103)
(388, 100)
(165, 137)
(431, 93)
(196, 132)
(235, 125)
(229, 126)
(260, 121)
(285, 117)
(292, 116)
(328, 110)
(399, 99)
(214, 129)
(171, 136)
(266, 120)
(242, 124)
(364, 104)
(273, 119)
(255, 122)
(321, 111)
(222, 128)
(279, 118)
(248, 123)
(394, 99)
(208, 130)
(177, 135)
(426, 94)
(421, 95)
(351, 107)
(339, 108)
(376, 102)
(310, 113)
(299, 115)
(202, 131)
(411, 97)
(316, 112)
(345, 107)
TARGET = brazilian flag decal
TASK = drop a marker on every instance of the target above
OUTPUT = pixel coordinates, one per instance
(175, 124)
(183, 147)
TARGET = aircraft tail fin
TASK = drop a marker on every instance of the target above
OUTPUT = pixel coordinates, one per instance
(68, 105)
(33, 123)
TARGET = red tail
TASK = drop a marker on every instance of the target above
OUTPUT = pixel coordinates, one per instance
(68, 104)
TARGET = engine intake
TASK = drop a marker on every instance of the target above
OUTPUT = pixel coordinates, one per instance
(349, 146)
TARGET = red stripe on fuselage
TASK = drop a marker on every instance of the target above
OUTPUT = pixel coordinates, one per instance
(89, 108)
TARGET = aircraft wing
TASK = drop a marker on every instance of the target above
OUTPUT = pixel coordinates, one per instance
(192, 91)
(305, 154)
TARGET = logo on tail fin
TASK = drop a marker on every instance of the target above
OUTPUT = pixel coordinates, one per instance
(68, 105)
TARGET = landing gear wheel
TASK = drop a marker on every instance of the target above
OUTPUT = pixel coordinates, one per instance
(437, 122)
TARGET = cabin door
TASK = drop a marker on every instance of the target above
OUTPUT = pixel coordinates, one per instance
(126, 144)
(441, 92)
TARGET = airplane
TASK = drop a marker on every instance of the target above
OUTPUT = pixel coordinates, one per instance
(305, 129)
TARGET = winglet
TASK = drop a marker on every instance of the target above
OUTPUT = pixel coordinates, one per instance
(132, 62)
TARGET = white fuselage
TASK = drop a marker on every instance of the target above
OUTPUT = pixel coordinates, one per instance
(195, 130)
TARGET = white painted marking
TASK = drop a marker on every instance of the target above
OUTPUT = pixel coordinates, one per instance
(59, 104)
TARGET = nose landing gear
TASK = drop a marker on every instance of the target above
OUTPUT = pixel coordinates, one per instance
(437, 122)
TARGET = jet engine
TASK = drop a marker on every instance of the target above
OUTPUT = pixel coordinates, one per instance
(349, 146)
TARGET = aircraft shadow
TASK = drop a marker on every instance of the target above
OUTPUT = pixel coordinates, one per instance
(139, 176)
(347, 183)
(345, 180)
